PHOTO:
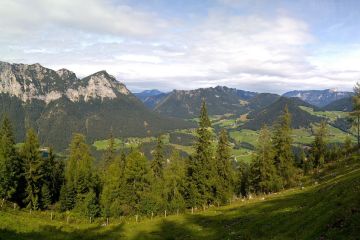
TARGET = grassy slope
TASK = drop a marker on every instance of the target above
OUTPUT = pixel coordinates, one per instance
(328, 210)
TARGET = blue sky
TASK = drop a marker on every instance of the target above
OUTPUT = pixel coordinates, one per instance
(258, 45)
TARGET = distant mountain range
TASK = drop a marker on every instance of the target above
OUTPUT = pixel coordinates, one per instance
(147, 93)
(319, 98)
(57, 104)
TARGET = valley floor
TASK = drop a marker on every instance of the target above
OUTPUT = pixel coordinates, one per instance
(328, 207)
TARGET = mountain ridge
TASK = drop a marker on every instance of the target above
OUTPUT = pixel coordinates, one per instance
(318, 98)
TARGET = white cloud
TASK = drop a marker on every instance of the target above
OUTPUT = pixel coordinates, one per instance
(249, 51)
(21, 17)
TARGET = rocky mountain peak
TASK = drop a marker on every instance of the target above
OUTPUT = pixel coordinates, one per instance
(34, 81)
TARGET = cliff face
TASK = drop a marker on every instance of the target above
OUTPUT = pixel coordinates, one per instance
(28, 82)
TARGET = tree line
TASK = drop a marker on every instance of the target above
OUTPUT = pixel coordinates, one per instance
(130, 184)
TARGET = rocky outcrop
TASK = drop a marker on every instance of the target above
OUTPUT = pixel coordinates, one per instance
(28, 82)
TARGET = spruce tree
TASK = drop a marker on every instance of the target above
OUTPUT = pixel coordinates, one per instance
(45, 197)
(174, 175)
(137, 178)
(79, 172)
(34, 169)
(113, 189)
(355, 114)
(319, 149)
(201, 172)
(11, 167)
(282, 144)
(243, 179)
(158, 162)
(264, 178)
(224, 170)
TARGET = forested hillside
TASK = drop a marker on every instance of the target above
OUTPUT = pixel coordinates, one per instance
(57, 104)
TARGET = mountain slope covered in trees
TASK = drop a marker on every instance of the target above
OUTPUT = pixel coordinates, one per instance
(344, 105)
(268, 115)
(221, 100)
(57, 104)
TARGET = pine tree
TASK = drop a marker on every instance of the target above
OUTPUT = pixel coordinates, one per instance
(34, 169)
(54, 175)
(113, 188)
(137, 177)
(11, 167)
(224, 170)
(201, 172)
(282, 145)
(158, 162)
(355, 114)
(264, 178)
(91, 205)
(79, 171)
(243, 179)
(45, 197)
(319, 149)
(174, 175)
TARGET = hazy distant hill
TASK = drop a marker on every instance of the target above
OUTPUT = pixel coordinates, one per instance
(319, 98)
(269, 115)
(57, 103)
(147, 93)
(344, 104)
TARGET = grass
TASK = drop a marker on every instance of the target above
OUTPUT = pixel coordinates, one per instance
(331, 115)
(245, 135)
(103, 144)
(327, 210)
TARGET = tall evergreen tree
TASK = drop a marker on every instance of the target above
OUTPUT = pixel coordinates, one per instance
(319, 149)
(200, 172)
(137, 181)
(174, 175)
(34, 169)
(11, 167)
(355, 114)
(158, 162)
(112, 196)
(264, 178)
(79, 172)
(283, 154)
(224, 170)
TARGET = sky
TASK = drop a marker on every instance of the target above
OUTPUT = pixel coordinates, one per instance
(257, 45)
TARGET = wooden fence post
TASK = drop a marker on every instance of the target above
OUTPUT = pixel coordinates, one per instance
(107, 221)
(152, 215)
(165, 213)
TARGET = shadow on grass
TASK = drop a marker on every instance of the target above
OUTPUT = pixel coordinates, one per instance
(329, 211)
(54, 233)
(326, 212)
